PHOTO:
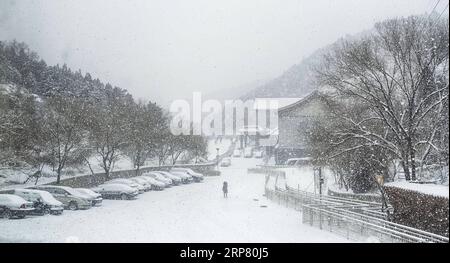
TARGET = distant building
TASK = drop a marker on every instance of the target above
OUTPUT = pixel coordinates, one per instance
(263, 134)
(294, 122)
(288, 139)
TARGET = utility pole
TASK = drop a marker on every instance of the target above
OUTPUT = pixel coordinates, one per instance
(320, 180)
(217, 158)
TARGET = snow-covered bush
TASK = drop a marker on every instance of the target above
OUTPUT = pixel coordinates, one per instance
(418, 209)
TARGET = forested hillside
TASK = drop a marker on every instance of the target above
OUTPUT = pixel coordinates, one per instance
(54, 117)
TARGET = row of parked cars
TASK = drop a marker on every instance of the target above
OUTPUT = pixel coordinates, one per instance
(248, 152)
(53, 199)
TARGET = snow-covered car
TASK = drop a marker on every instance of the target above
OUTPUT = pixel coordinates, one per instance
(43, 201)
(237, 153)
(96, 198)
(167, 182)
(176, 180)
(258, 154)
(71, 198)
(14, 206)
(116, 191)
(146, 184)
(156, 185)
(225, 162)
(248, 152)
(128, 182)
(185, 177)
(198, 177)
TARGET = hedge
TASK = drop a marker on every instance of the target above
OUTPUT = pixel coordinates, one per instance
(423, 211)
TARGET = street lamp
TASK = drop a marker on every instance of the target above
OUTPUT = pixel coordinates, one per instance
(318, 178)
(380, 179)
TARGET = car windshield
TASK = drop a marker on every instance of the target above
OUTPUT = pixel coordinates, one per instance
(114, 187)
(47, 197)
(77, 193)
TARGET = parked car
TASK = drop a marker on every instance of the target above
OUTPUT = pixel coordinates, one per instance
(43, 202)
(116, 191)
(146, 184)
(248, 152)
(128, 182)
(258, 154)
(225, 162)
(14, 206)
(156, 185)
(97, 199)
(185, 178)
(198, 177)
(71, 198)
(167, 182)
(237, 153)
(176, 180)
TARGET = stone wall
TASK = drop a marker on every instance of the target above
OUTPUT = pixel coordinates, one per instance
(88, 181)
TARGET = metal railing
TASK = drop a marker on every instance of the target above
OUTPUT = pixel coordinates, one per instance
(356, 220)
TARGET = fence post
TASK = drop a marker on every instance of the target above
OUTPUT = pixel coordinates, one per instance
(348, 230)
(320, 218)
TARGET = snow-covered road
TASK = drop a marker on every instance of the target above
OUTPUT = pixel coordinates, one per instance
(189, 213)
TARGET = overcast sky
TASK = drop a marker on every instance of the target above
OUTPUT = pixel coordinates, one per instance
(164, 50)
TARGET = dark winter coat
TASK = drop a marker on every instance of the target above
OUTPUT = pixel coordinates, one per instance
(225, 188)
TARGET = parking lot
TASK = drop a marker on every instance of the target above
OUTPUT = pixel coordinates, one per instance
(195, 212)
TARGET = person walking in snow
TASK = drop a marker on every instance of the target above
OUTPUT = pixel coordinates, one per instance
(225, 189)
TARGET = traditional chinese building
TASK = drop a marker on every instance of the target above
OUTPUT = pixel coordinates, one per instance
(294, 122)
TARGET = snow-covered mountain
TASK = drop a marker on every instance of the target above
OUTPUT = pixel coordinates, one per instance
(297, 81)
(234, 92)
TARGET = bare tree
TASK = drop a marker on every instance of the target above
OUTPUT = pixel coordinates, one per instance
(109, 127)
(63, 126)
(148, 125)
(196, 148)
(162, 148)
(401, 73)
(23, 146)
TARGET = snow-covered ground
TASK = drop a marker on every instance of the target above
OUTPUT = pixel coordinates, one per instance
(189, 213)
(302, 178)
(15, 178)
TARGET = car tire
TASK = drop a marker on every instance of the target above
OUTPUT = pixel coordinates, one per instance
(7, 214)
(20, 216)
(47, 211)
(73, 206)
(123, 197)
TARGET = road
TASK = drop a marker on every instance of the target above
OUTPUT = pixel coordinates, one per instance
(189, 213)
